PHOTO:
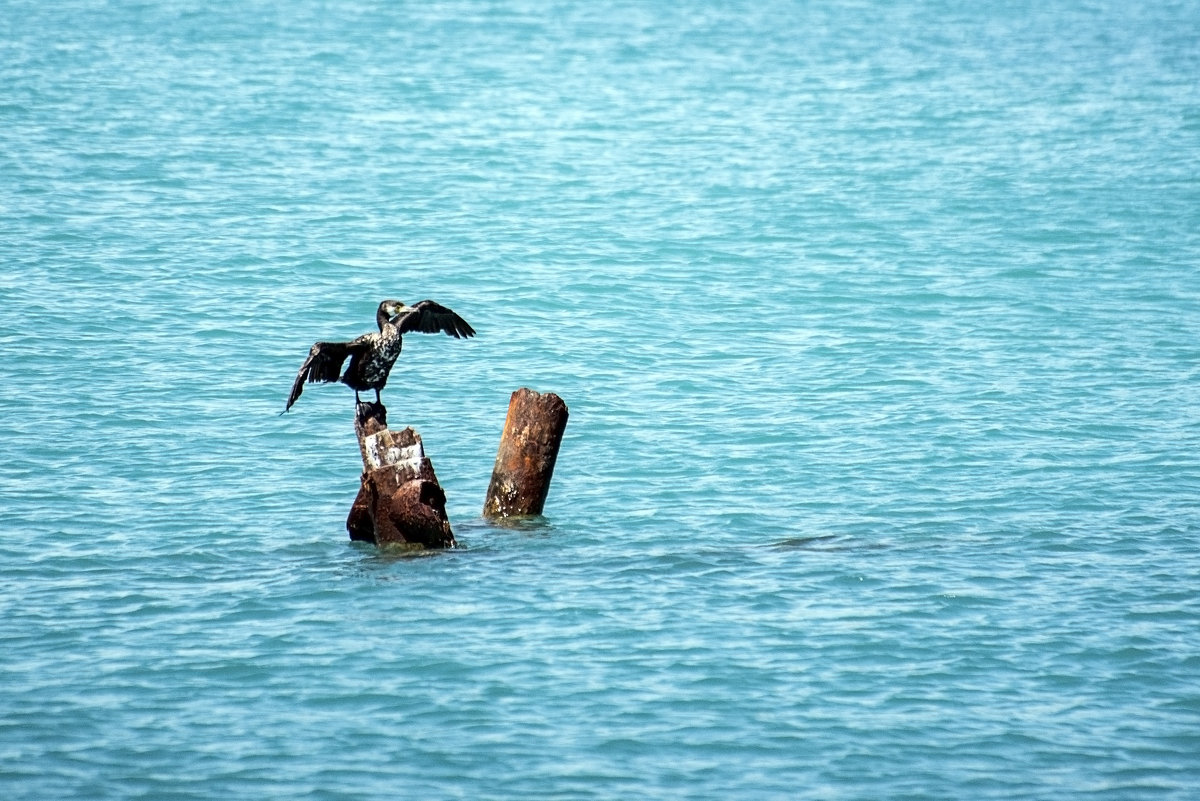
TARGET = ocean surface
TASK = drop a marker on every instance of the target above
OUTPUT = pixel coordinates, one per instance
(879, 325)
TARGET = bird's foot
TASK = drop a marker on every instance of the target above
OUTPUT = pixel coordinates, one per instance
(366, 410)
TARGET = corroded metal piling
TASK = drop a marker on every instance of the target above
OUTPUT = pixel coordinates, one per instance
(533, 431)
(400, 501)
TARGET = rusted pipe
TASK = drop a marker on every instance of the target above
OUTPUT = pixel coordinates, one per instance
(528, 450)
(400, 501)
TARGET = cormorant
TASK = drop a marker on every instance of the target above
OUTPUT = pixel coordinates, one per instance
(372, 355)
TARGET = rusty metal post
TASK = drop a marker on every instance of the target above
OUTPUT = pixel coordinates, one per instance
(528, 450)
(400, 501)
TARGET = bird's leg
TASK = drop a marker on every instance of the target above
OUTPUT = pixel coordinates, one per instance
(357, 400)
(377, 400)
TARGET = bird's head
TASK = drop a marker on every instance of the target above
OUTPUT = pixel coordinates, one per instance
(387, 310)
(392, 307)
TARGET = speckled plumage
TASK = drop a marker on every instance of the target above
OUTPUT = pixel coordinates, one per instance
(373, 355)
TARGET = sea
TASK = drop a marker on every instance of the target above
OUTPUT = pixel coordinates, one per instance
(879, 328)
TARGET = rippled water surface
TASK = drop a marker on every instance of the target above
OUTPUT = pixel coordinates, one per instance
(879, 324)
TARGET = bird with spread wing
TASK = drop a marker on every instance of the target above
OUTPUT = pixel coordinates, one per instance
(372, 355)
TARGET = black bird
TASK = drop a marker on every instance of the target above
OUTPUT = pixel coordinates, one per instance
(372, 355)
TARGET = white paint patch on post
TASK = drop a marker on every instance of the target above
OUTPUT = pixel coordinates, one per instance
(378, 451)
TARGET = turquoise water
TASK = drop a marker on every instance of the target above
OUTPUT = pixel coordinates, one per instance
(879, 324)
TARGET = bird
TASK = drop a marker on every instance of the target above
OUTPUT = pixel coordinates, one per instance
(372, 355)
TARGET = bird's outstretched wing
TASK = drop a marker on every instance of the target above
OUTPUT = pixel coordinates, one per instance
(428, 317)
(324, 363)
